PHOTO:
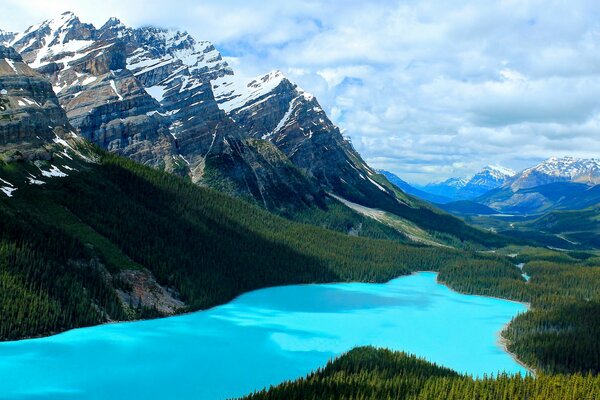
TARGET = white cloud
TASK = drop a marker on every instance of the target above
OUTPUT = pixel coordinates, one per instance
(427, 89)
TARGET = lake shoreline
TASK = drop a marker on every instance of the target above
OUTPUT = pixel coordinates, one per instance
(501, 341)
(298, 328)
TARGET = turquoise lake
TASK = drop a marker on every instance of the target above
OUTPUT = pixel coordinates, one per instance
(261, 338)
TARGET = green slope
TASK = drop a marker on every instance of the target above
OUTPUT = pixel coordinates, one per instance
(426, 217)
(64, 244)
(369, 373)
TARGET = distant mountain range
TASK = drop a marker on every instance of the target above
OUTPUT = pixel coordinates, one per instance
(552, 170)
(408, 188)
(565, 183)
(555, 184)
(469, 188)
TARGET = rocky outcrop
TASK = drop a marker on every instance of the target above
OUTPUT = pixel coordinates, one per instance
(103, 100)
(30, 114)
(167, 100)
(139, 289)
(6, 37)
(272, 108)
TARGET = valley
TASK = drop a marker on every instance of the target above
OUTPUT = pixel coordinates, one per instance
(199, 234)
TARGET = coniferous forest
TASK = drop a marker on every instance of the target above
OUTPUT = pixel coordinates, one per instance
(62, 244)
(369, 373)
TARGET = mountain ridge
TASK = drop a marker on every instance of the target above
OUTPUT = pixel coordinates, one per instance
(555, 169)
(165, 100)
(468, 188)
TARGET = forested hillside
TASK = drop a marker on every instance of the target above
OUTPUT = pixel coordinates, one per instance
(65, 243)
(64, 247)
(368, 373)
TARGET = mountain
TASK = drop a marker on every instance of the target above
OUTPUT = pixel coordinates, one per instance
(5, 37)
(146, 94)
(543, 198)
(89, 237)
(31, 119)
(448, 188)
(488, 178)
(566, 183)
(408, 188)
(565, 169)
(164, 99)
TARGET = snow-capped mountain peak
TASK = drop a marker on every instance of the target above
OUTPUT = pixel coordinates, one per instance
(457, 182)
(113, 22)
(233, 93)
(53, 39)
(488, 178)
(567, 166)
(499, 171)
(559, 169)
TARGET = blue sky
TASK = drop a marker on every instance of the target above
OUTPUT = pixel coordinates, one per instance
(426, 89)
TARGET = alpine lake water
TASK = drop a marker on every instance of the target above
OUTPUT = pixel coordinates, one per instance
(260, 339)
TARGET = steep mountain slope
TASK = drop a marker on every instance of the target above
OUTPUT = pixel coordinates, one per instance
(145, 93)
(272, 108)
(29, 111)
(488, 178)
(552, 170)
(408, 188)
(166, 100)
(102, 99)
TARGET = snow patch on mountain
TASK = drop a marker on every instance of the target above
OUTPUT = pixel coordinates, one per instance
(53, 37)
(555, 169)
(568, 166)
(499, 171)
(233, 93)
(488, 178)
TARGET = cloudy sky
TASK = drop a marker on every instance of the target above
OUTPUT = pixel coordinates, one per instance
(428, 89)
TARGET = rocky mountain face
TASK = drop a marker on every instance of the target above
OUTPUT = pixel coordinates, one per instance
(30, 114)
(6, 37)
(552, 170)
(272, 108)
(146, 94)
(490, 177)
(164, 99)
(103, 100)
(169, 101)
(566, 183)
